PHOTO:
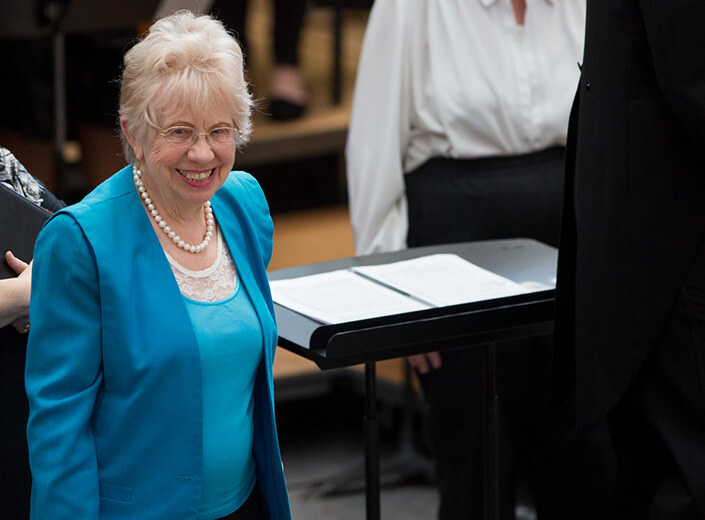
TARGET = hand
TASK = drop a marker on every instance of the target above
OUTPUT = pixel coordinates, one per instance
(21, 325)
(425, 362)
(16, 264)
(14, 294)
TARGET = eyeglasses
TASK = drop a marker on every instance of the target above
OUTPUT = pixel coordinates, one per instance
(186, 136)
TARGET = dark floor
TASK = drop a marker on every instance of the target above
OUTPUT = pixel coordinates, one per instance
(322, 437)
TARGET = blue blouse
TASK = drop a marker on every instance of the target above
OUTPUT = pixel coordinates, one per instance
(230, 345)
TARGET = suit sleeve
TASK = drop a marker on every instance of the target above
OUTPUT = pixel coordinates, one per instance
(378, 134)
(676, 35)
(63, 374)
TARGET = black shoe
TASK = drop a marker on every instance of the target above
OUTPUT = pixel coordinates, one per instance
(284, 110)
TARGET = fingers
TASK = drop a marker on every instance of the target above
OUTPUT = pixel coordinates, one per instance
(435, 359)
(21, 325)
(425, 362)
(15, 263)
(419, 362)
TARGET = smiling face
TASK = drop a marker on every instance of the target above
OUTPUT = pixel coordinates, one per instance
(181, 178)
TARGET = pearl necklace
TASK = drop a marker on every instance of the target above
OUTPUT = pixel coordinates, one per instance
(210, 224)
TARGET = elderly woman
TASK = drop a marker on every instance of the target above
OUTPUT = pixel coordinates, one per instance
(149, 360)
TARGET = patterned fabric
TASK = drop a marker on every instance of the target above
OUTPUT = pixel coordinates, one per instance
(16, 177)
(217, 282)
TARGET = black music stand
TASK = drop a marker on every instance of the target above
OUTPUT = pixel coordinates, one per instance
(482, 324)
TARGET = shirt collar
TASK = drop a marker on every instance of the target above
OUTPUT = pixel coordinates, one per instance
(488, 3)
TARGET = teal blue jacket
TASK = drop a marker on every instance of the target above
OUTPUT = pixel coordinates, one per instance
(113, 370)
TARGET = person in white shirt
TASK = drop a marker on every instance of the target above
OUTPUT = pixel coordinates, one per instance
(457, 133)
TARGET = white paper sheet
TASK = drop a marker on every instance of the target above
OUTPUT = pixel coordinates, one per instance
(442, 279)
(340, 296)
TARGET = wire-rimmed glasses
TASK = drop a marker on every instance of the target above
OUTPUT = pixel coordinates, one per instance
(184, 136)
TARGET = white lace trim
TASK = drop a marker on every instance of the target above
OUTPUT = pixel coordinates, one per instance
(217, 282)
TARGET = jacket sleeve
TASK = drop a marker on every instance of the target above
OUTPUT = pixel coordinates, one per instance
(676, 35)
(63, 374)
(379, 130)
(259, 215)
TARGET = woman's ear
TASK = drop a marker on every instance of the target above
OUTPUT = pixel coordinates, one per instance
(136, 147)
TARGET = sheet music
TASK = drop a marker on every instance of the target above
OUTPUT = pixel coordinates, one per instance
(340, 296)
(442, 279)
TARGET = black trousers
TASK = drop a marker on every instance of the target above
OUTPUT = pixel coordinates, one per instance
(288, 20)
(461, 200)
(252, 509)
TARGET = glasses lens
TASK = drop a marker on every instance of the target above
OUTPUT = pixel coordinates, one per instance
(179, 135)
(184, 136)
(223, 135)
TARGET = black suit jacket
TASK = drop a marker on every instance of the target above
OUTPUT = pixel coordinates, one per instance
(635, 192)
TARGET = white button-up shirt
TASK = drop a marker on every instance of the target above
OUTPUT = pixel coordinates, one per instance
(453, 78)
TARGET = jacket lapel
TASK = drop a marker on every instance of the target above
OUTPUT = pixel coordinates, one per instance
(241, 240)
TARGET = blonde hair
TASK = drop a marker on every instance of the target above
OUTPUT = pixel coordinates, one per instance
(184, 61)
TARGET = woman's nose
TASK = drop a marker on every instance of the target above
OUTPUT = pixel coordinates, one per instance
(200, 150)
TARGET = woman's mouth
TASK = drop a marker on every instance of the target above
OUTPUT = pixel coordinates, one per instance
(196, 176)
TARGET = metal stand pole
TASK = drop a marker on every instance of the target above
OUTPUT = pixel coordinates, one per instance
(491, 437)
(372, 481)
(337, 54)
(55, 12)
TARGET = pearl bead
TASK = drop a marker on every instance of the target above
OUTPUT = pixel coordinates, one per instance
(151, 208)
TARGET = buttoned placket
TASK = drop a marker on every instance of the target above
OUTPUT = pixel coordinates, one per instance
(529, 117)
